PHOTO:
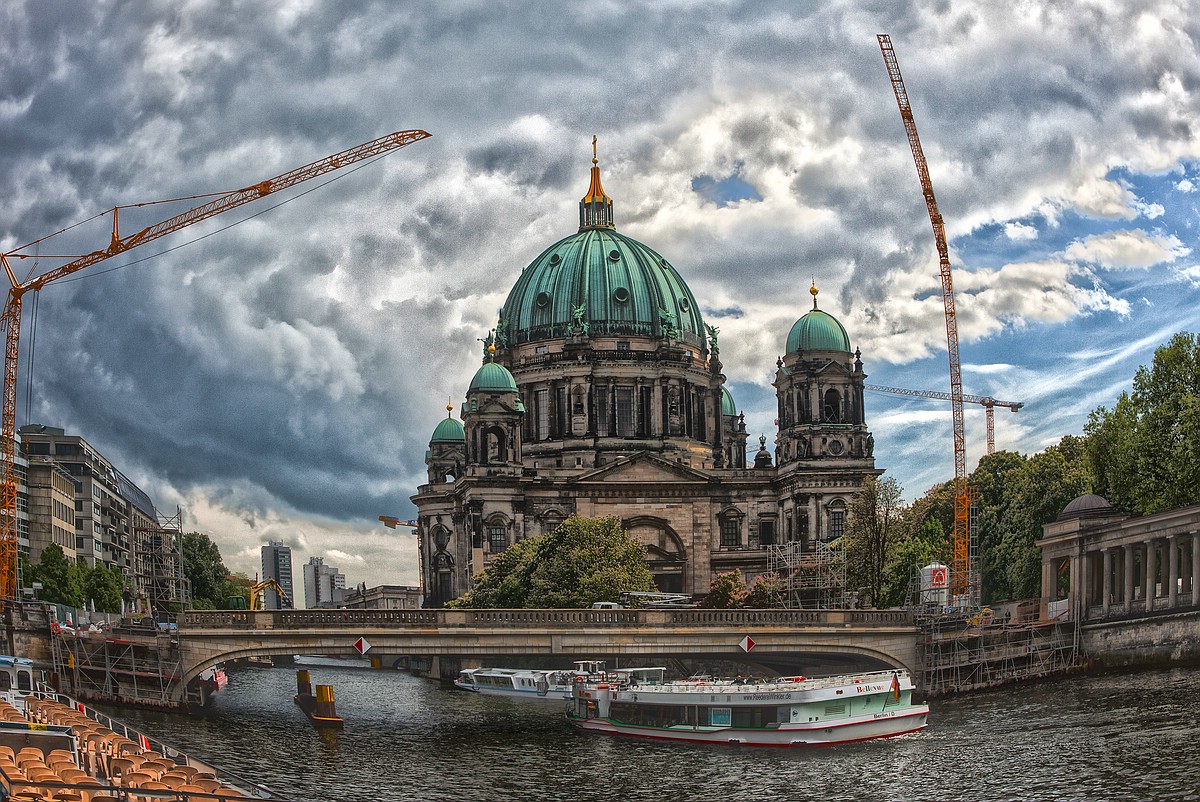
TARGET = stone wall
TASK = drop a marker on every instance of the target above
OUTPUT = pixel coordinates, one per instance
(1149, 641)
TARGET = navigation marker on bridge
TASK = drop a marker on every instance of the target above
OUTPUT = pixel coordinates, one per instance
(747, 643)
(361, 646)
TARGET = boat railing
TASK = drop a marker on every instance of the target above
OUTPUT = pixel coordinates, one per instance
(730, 685)
(149, 743)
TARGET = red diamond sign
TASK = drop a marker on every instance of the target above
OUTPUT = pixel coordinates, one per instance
(747, 643)
(361, 646)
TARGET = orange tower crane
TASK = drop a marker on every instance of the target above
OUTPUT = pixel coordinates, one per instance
(965, 580)
(11, 318)
(987, 402)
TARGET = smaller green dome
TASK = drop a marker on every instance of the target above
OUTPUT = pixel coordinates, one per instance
(448, 431)
(728, 408)
(493, 377)
(817, 331)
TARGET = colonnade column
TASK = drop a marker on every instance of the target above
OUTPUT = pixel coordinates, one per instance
(1172, 569)
(1106, 590)
(1196, 568)
(1080, 573)
(1128, 578)
(1151, 564)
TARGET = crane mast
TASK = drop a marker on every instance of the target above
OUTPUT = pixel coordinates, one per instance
(10, 320)
(987, 402)
(964, 580)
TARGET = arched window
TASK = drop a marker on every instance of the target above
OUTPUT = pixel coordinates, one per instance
(497, 535)
(497, 451)
(837, 519)
(831, 407)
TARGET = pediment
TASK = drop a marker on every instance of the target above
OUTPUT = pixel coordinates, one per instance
(643, 467)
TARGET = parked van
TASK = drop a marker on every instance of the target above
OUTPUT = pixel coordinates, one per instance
(607, 606)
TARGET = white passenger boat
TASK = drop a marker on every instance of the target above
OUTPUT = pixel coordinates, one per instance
(528, 683)
(784, 711)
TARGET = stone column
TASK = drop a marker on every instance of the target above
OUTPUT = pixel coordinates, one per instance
(1128, 578)
(1079, 586)
(1172, 569)
(1196, 568)
(1106, 589)
(1049, 585)
(1151, 564)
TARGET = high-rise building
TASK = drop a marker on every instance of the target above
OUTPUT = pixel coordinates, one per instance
(324, 585)
(277, 565)
(601, 393)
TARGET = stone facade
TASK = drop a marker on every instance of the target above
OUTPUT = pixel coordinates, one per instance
(601, 393)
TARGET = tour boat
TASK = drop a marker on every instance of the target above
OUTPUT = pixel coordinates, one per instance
(528, 683)
(783, 711)
(16, 680)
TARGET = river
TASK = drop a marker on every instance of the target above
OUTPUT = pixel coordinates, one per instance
(1120, 736)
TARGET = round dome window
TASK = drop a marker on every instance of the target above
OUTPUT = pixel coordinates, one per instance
(620, 295)
(615, 255)
(542, 299)
(684, 305)
(555, 258)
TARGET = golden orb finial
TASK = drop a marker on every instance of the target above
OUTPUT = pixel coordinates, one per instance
(813, 292)
(492, 350)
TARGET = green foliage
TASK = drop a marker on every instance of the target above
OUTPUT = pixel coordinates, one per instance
(203, 566)
(62, 581)
(583, 561)
(1145, 452)
(232, 587)
(103, 586)
(873, 533)
(768, 590)
(726, 590)
(913, 550)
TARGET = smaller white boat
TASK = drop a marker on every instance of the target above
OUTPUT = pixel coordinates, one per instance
(528, 683)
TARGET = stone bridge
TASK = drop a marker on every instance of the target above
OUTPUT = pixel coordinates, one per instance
(799, 641)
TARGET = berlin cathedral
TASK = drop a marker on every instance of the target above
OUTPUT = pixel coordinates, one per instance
(601, 394)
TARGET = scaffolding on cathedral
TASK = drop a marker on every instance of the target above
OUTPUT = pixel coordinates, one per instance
(814, 579)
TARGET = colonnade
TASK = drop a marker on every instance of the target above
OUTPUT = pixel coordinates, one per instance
(1149, 574)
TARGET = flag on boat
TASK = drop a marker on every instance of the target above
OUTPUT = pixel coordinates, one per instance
(896, 686)
(144, 742)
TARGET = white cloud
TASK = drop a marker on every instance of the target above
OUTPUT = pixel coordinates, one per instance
(1020, 231)
(1129, 249)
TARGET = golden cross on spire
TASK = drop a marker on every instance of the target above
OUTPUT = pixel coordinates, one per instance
(594, 159)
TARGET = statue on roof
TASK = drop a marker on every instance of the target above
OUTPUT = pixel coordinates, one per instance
(666, 322)
(502, 332)
(713, 331)
(579, 324)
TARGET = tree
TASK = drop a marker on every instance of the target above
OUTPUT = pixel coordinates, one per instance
(767, 590)
(874, 529)
(583, 561)
(204, 568)
(60, 578)
(102, 587)
(1145, 452)
(726, 590)
(914, 550)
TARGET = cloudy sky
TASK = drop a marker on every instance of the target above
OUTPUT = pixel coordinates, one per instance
(280, 378)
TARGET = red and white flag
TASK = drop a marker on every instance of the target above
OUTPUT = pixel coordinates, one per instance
(896, 687)
(144, 742)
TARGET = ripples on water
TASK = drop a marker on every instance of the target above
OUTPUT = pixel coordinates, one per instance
(1113, 737)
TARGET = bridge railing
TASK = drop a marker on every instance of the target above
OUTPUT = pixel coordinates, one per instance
(542, 619)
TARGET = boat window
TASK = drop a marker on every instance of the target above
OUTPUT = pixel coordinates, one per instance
(5, 681)
(24, 681)
(720, 716)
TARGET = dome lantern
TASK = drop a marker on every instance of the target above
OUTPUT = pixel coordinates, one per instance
(596, 208)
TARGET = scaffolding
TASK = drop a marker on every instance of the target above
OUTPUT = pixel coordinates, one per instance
(814, 579)
(140, 669)
(158, 562)
(970, 654)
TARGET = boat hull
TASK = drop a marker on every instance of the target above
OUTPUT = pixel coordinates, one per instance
(865, 728)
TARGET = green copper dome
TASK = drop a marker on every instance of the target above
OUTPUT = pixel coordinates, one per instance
(599, 283)
(728, 408)
(492, 377)
(448, 431)
(817, 331)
